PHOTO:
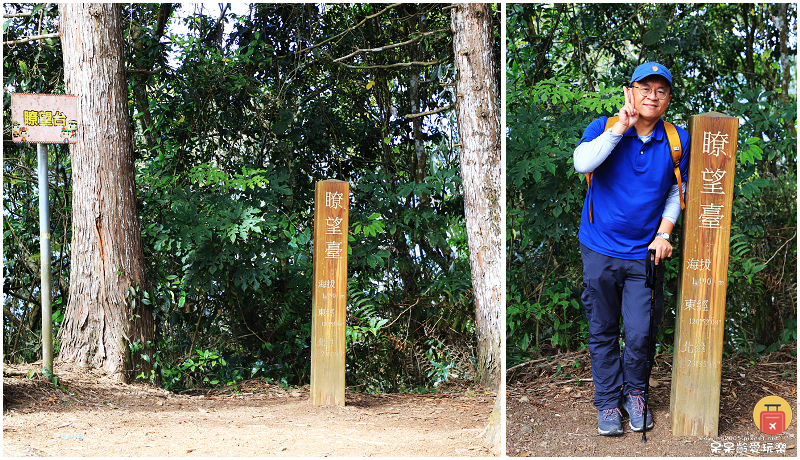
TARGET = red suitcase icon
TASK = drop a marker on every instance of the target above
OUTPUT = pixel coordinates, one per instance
(773, 422)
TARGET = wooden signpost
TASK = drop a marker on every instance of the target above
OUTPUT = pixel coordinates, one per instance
(329, 292)
(700, 319)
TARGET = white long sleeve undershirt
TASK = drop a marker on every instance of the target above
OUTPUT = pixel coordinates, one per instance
(589, 155)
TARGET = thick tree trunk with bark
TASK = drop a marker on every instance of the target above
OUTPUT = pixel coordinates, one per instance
(102, 323)
(480, 155)
(479, 135)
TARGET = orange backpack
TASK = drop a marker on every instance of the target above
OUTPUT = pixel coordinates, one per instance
(675, 148)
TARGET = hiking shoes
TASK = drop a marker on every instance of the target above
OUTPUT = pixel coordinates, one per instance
(634, 405)
(609, 422)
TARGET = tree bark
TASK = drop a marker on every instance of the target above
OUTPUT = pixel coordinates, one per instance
(102, 322)
(479, 135)
(781, 22)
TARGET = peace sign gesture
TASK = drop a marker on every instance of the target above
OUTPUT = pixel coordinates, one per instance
(628, 115)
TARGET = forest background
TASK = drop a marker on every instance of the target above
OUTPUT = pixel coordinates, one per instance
(231, 132)
(566, 65)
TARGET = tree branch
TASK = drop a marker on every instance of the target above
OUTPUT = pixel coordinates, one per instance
(145, 71)
(779, 249)
(11, 316)
(391, 66)
(26, 299)
(346, 31)
(430, 112)
(30, 39)
(41, 20)
(388, 47)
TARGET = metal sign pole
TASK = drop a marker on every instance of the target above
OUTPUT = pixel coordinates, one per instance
(44, 249)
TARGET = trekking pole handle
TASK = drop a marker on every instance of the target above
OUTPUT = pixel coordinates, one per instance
(650, 269)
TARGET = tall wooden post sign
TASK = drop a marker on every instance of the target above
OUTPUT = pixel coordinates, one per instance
(329, 292)
(700, 319)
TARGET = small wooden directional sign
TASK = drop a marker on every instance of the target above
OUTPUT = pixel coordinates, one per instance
(700, 319)
(329, 292)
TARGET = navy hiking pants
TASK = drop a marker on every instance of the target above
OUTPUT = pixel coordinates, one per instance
(613, 288)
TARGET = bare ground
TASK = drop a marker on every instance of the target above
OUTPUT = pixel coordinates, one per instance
(93, 415)
(550, 415)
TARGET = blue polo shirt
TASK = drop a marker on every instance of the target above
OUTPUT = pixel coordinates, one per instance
(629, 191)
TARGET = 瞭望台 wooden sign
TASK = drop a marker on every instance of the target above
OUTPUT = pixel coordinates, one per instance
(700, 319)
(44, 118)
(329, 292)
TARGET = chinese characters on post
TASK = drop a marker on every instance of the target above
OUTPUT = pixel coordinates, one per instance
(333, 200)
(712, 182)
(711, 216)
(44, 118)
(696, 372)
(329, 293)
(714, 143)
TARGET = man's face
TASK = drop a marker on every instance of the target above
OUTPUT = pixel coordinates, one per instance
(650, 107)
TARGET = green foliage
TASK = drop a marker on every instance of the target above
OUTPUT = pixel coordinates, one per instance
(441, 369)
(545, 125)
(231, 132)
(565, 66)
(207, 365)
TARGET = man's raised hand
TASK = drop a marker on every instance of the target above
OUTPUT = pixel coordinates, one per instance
(628, 115)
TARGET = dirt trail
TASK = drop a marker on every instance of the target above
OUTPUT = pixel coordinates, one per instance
(551, 415)
(95, 416)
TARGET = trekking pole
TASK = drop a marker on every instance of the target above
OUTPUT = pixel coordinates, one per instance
(649, 281)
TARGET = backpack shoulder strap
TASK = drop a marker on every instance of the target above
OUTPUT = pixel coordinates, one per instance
(674, 142)
(675, 150)
(609, 123)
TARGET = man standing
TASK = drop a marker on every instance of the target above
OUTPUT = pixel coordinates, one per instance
(632, 206)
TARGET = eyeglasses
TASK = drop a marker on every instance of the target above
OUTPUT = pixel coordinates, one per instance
(645, 91)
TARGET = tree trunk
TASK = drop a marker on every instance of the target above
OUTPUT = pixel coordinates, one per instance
(781, 21)
(420, 161)
(479, 135)
(104, 326)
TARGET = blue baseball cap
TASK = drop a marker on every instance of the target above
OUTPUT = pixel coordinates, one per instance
(651, 68)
